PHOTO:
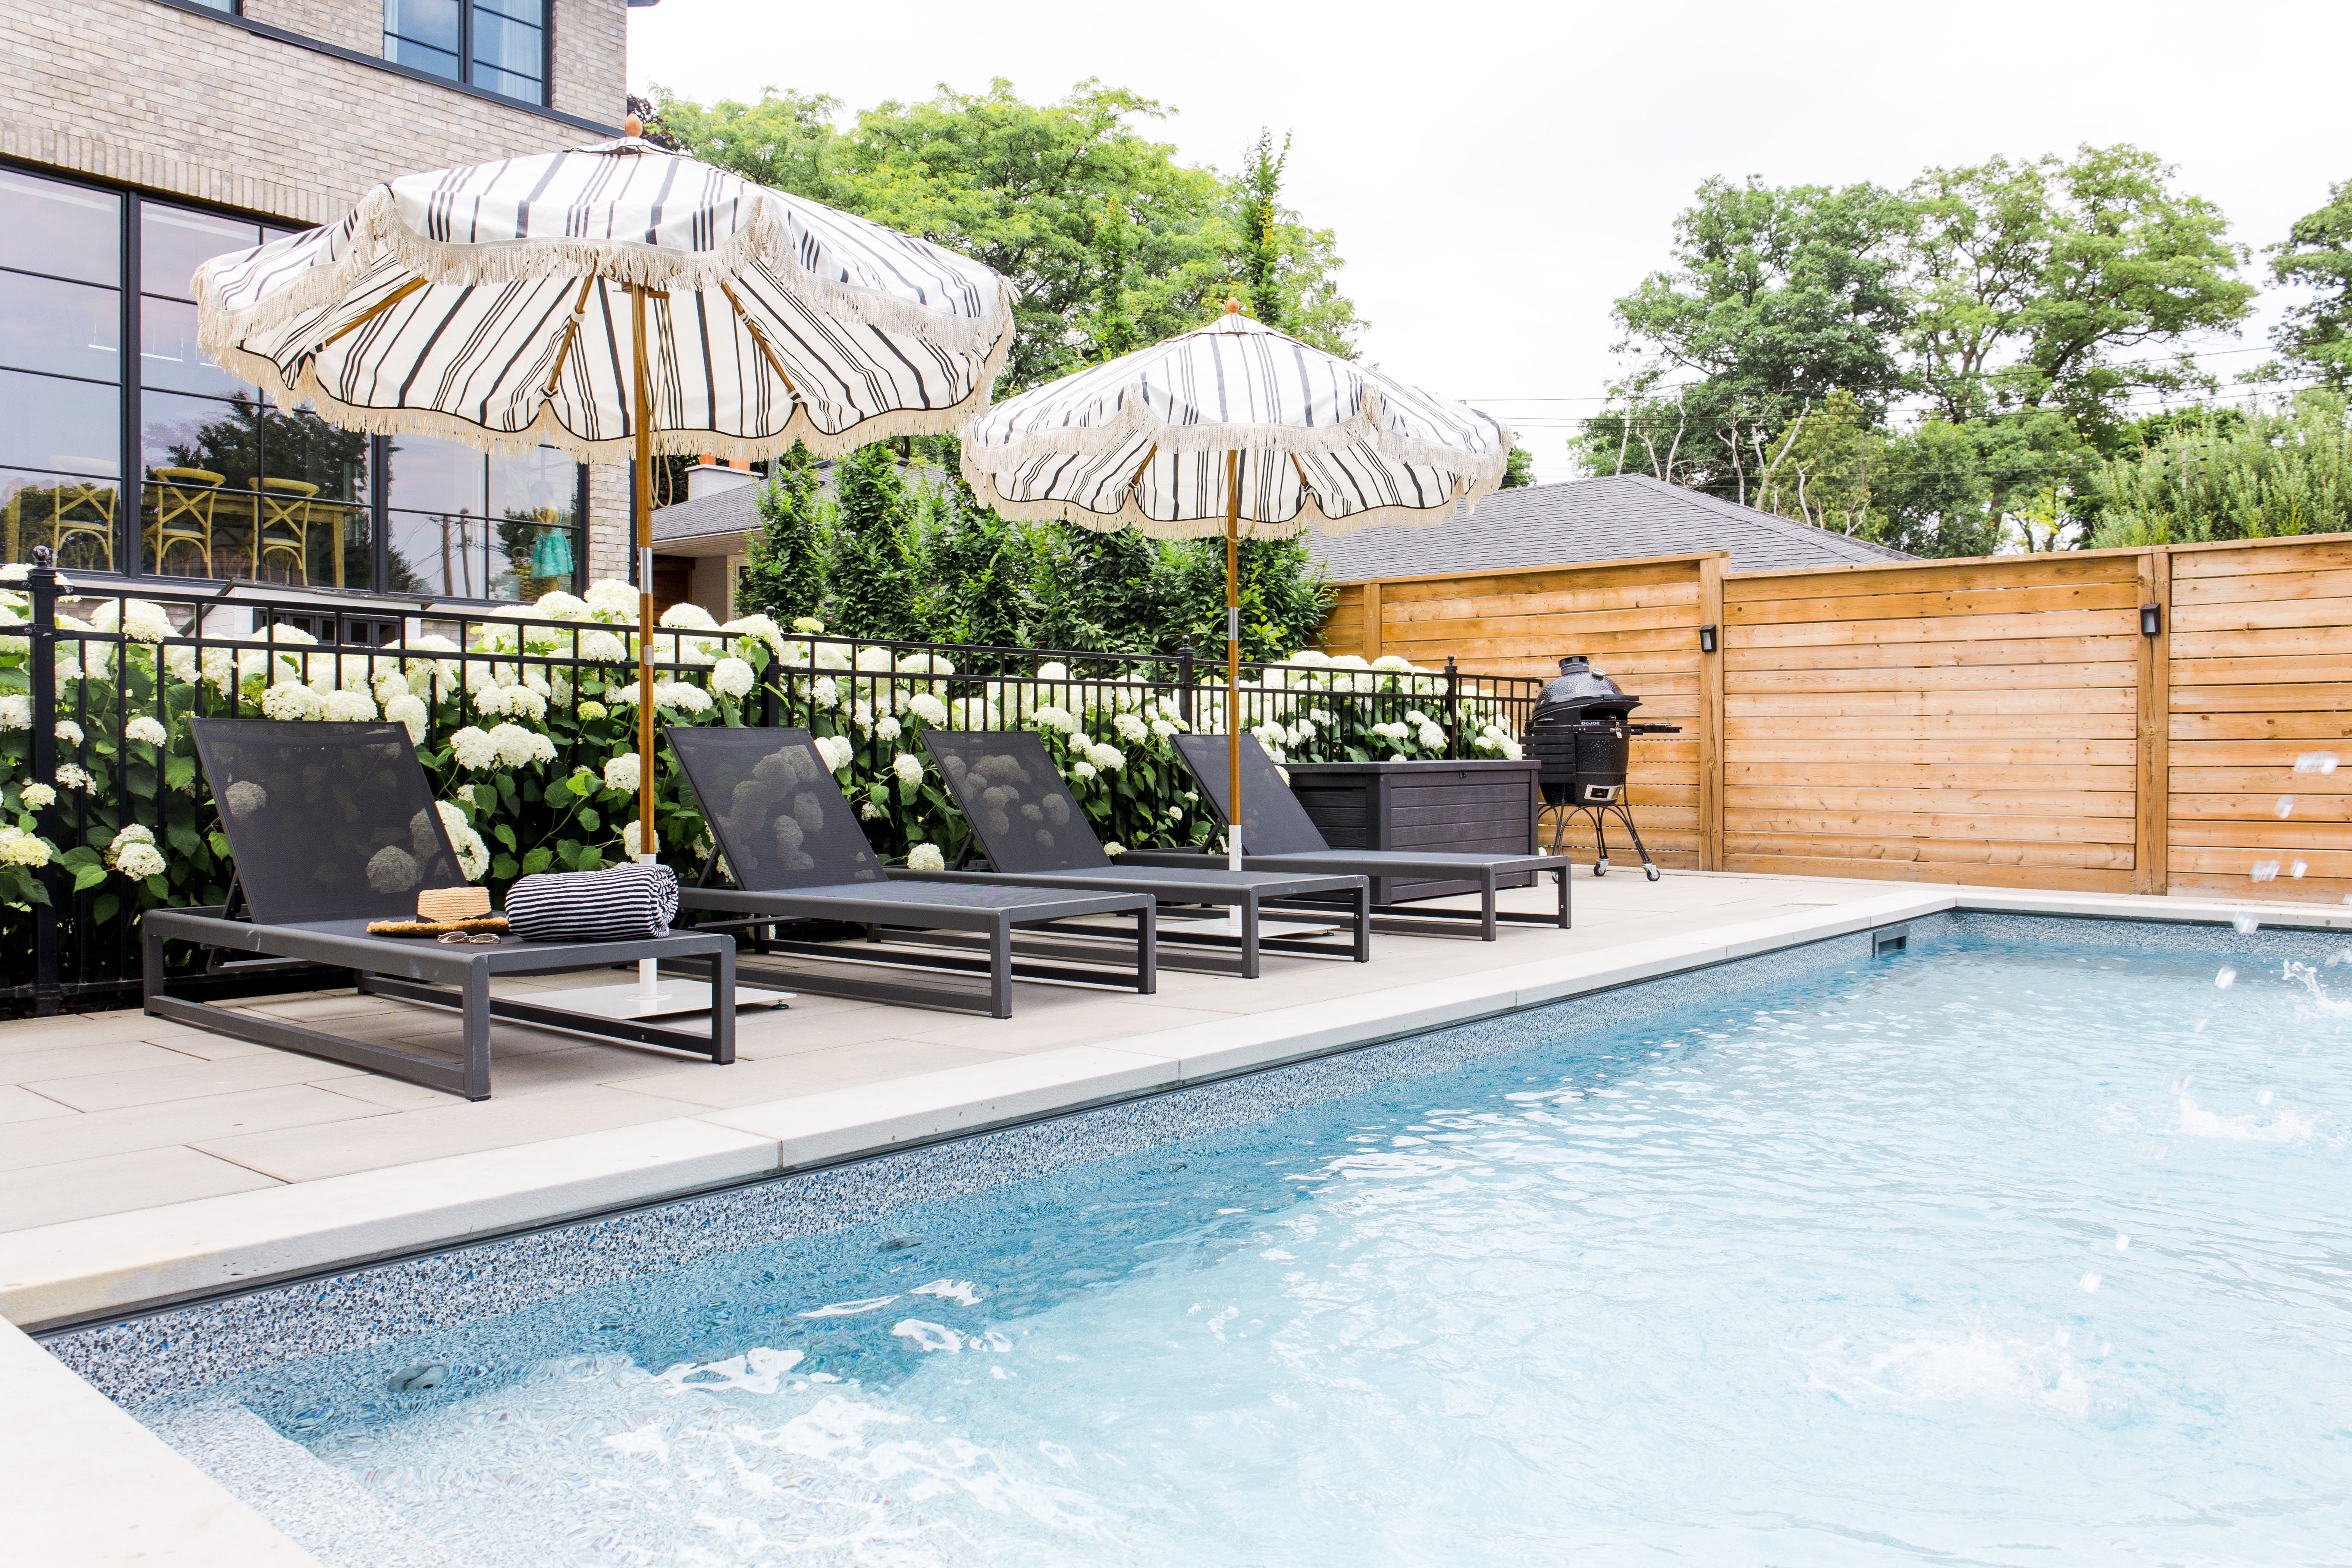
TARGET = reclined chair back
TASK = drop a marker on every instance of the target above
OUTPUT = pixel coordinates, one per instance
(1273, 821)
(327, 822)
(774, 808)
(1012, 795)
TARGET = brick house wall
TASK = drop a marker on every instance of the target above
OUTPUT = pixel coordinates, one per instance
(189, 103)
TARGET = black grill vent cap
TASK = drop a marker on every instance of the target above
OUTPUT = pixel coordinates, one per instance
(1581, 691)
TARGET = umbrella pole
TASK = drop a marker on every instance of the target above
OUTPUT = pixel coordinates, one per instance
(648, 970)
(1232, 660)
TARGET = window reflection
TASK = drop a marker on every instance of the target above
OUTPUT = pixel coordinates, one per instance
(174, 242)
(48, 422)
(168, 356)
(435, 476)
(73, 515)
(498, 44)
(65, 231)
(69, 329)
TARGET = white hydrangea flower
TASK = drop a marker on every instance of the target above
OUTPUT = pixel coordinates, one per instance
(1131, 728)
(36, 797)
(1083, 770)
(629, 832)
(1162, 727)
(16, 711)
(69, 777)
(1052, 718)
(836, 751)
(348, 707)
(291, 702)
(732, 676)
(18, 847)
(68, 732)
(808, 626)
(1054, 671)
(681, 697)
(832, 656)
(622, 772)
(926, 858)
(925, 664)
(1313, 658)
(824, 693)
(409, 710)
(146, 728)
(1391, 662)
(559, 606)
(602, 648)
(869, 812)
(140, 861)
(686, 613)
(762, 628)
(473, 748)
(1432, 737)
(1114, 849)
(1108, 758)
(928, 708)
(908, 767)
(473, 855)
(885, 728)
(518, 747)
(875, 659)
(611, 599)
(590, 708)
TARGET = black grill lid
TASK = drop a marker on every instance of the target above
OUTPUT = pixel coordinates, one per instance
(1581, 693)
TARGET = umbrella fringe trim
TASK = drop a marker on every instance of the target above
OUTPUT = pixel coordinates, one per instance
(1309, 516)
(1137, 420)
(547, 429)
(375, 229)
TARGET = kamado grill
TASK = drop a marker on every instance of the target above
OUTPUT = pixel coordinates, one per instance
(1581, 735)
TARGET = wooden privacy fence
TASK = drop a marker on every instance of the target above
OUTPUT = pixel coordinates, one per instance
(2119, 720)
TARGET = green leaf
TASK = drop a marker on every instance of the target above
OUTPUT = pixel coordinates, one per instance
(592, 859)
(219, 841)
(503, 868)
(581, 783)
(80, 856)
(103, 906)
(183, 838)
(588, 820)
(88, 877)
(537, 860)
(505, 835)
(567, 851)
(179, 771)
(161, 888)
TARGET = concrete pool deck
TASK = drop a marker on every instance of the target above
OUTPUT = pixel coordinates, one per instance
(145, 1163)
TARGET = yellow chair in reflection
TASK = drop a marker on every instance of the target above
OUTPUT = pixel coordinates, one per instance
(286, 508)
(98, 496)
(184, 501)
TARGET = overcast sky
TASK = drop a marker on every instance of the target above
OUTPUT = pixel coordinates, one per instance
(1499, 173)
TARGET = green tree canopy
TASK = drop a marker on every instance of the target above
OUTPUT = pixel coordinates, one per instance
(2249, 474)
(2315, 335)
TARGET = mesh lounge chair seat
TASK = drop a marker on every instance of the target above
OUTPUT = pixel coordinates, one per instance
(793, 847)
(1035, 833)
(333, 826)
(1277, 835)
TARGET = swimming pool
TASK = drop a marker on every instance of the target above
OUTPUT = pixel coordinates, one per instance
(2024, 1244)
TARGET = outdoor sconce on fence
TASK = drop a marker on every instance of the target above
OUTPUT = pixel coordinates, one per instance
(1707, 639)
(2151, 620)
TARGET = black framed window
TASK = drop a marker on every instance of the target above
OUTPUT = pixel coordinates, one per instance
(499, 45)
(181, 470)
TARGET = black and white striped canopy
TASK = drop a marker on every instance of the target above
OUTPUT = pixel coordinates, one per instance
(491, 305)
(1324, 442)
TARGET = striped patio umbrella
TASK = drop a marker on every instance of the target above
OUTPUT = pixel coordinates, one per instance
(613, 300)
(1236, 429)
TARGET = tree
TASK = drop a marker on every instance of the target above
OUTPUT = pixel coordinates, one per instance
(2253, 474)
(1519, 467)
(1821, 475)
(1258, 185)
(785, 574)
(2315, 336)
(2027, 281)
(872, 569)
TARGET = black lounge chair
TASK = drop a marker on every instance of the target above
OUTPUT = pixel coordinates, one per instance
(793, 846)
(333, 825)
(1278, 834)
(1035, 833)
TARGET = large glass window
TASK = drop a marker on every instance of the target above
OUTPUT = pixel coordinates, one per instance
(60, 370)
(498, 45)
(225, 486)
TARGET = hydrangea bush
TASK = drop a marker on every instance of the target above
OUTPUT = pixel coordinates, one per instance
(533, 756)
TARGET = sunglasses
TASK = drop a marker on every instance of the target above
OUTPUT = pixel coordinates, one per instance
(469, 938)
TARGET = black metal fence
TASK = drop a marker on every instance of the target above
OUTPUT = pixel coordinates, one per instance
(122, 657)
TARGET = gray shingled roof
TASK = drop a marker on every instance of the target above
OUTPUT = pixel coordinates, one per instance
(1614, 519)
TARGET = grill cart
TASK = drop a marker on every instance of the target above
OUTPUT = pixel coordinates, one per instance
(1580, 737)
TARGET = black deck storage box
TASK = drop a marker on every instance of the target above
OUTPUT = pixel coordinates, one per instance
(1472, 807)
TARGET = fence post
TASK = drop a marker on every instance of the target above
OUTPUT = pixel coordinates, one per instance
(42, 580)
(1184, 680)
(1453, 708)
(771, 704)
(2152, 784)
(1710, 715)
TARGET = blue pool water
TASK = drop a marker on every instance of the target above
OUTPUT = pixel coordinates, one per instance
(1986, 1253)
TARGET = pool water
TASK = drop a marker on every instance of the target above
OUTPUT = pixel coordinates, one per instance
(1984, 1253)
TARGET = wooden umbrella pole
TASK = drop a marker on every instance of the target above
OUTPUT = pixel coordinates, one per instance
(644, 416)
(1233, 661)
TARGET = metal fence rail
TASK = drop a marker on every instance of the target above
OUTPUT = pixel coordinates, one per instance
(85, 942)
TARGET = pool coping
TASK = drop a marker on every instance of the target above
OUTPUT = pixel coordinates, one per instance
(83, 1454)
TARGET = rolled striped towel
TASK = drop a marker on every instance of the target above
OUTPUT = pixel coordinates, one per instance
(617, 904)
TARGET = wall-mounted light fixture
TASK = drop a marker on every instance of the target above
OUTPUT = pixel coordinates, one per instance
(2151, 620)
(1707, 639)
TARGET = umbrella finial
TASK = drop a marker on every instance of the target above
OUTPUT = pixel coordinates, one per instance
(1232, 306)
(632, 127)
